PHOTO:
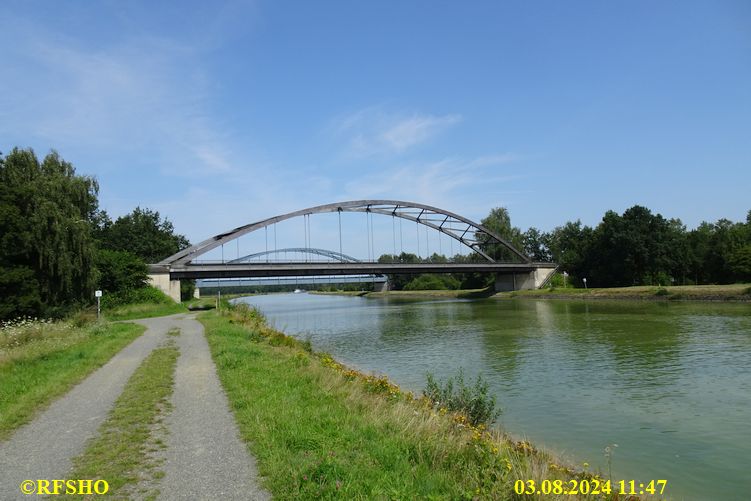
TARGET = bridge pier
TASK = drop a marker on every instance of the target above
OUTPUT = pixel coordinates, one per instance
(505, 282)
(385, 286)
(162, 282)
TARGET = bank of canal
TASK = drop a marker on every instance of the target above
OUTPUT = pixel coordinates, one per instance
(669, 383)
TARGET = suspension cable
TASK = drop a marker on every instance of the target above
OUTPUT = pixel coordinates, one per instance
(340, 231)
(401, 237)
(372, 238)
(417, 232)
(427, 242)
(367, 232)
(393, 232)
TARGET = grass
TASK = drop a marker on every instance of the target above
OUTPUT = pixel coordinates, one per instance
(41, 360)
(204, 303)
(144, 310)
(321, 430)
(124, 453)
(731, 292)
(676, 292)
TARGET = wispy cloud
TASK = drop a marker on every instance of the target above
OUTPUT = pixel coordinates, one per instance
(448, 181)
(141, 95)
(373, 131)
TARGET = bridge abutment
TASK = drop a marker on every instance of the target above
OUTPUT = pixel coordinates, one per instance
(505, 282)
(162, 282)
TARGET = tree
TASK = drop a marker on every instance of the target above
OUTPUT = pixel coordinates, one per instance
(120, 271)
(429, 281)
(46, 247)
(569, 246)
(143, 233)
(740, 263)
(534, 245)
(398, 281)
(633, 249)
(499, 222)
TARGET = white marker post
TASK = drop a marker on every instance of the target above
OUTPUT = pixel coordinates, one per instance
(585, 282)
(98, 295)
(564, 279)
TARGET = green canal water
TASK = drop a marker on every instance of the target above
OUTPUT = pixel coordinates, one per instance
(670, 383)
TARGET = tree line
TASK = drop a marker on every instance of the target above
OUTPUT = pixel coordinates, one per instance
(637, 247)
(57, 246)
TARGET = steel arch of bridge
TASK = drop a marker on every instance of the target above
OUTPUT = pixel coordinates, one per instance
(464, 230)
(342, 258)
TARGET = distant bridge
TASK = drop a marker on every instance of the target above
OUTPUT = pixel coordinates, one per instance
(374, 280)
(520, 274)
(329, 254)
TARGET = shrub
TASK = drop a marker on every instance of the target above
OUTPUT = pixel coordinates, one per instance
(456, 396)
(432, 282)
(120, 271)
(133, 296)
(82, 318)
(662, 291)
(556, 281)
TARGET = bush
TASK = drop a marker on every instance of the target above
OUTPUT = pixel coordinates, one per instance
(432, 282)
(662, 291)
(454, 395)
(82, 318)
(133, 296)
(120, 271)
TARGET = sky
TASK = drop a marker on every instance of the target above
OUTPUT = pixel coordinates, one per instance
(218, 114)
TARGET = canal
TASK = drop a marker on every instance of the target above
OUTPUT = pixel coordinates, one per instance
(669, 383)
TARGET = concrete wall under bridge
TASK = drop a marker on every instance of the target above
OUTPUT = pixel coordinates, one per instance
(162, 282)
(505, 282)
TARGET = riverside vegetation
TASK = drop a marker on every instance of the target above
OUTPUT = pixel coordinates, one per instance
(319, 429)
(42, 359)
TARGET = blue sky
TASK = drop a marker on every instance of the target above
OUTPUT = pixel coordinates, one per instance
(218, 114)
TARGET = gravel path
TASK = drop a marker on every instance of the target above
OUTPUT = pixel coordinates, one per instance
(205, 458)
(43, 448)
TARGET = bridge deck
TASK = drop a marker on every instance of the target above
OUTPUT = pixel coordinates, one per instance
(243, 270)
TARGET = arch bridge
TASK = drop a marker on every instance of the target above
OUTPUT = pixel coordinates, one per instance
(516, 272)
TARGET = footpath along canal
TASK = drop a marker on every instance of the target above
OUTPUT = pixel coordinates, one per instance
(669, 383)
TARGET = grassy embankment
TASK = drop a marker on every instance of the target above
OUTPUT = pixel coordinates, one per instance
(321, 430)
(41, 360)
(125, 451)
(732, 292)
(157, 309)
(144, 310)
